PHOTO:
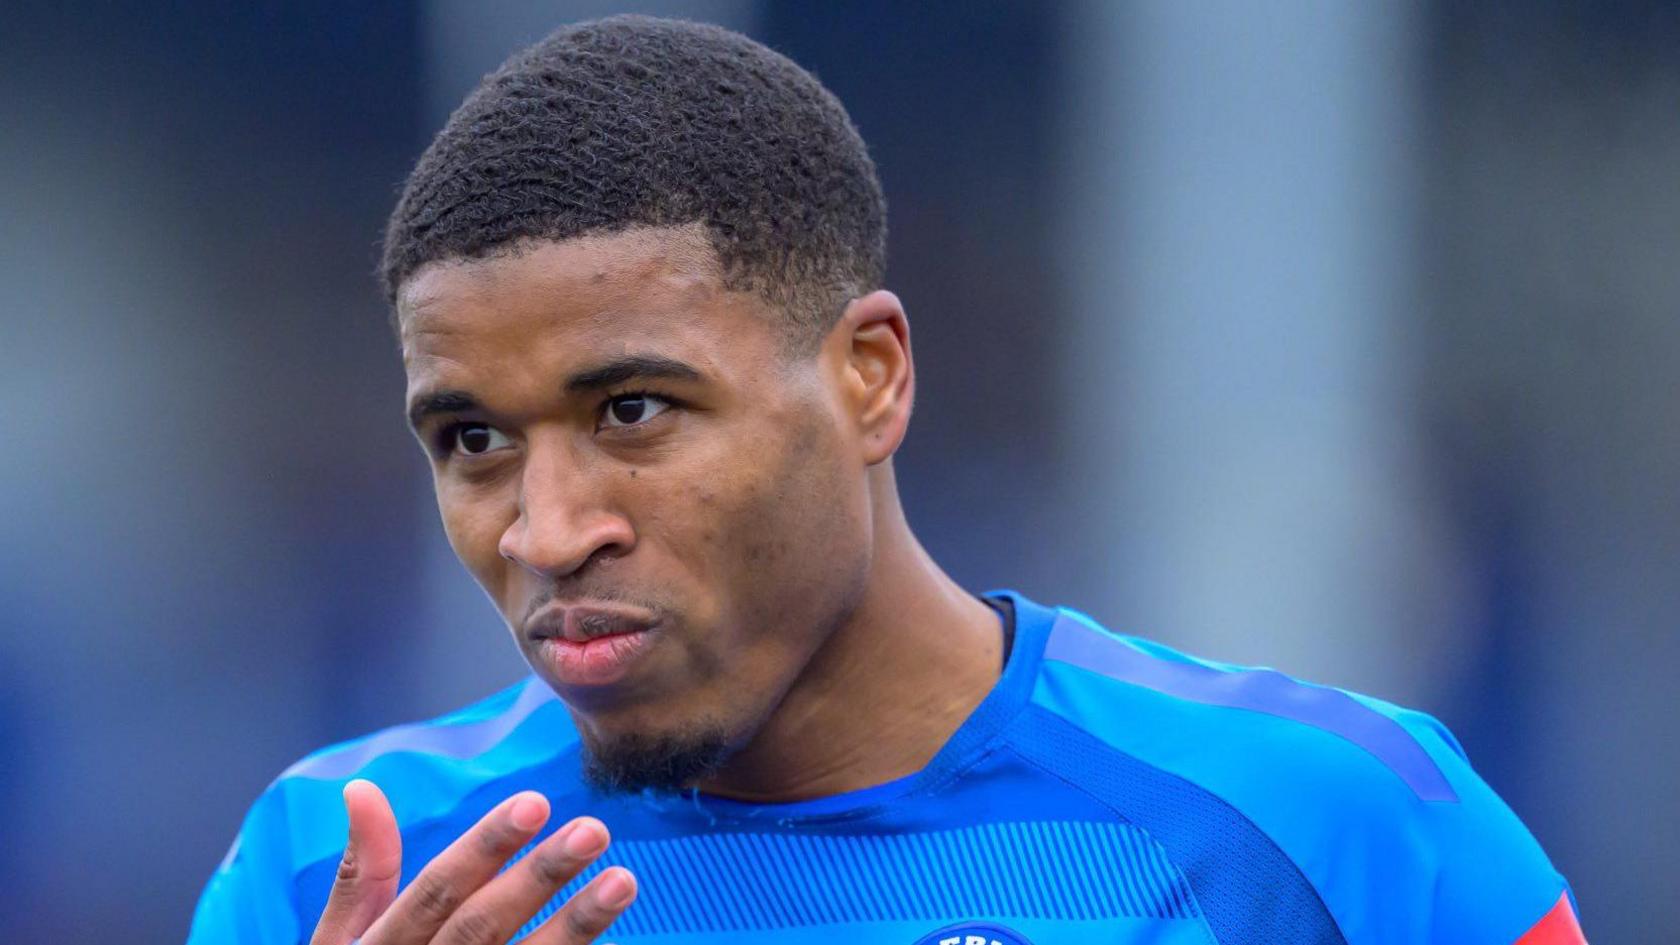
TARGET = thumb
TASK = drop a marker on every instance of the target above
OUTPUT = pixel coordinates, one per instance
(368, 873)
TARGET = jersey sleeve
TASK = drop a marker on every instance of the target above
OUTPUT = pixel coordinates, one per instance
(1480, 875)
(250, 899)
(1373, 806)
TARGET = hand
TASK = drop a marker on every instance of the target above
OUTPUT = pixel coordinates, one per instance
(459, 899)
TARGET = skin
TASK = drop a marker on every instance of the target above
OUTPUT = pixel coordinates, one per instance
(749, 507)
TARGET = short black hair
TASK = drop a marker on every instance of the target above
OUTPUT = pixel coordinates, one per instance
(635, 121)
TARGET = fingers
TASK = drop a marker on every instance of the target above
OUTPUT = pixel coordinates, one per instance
(498, 910)
(588, 913)
(459, 871)
(458, 897)
(368, 872)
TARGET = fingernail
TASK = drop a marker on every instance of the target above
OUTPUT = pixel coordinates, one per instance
(615, 890)
(582, 839)
(527, 813)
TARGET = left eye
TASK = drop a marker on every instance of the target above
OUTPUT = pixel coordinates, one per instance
(631, 409)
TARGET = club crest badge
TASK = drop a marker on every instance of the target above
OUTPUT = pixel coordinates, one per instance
(973, 933)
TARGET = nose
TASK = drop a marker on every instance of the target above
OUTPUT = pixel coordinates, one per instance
(565, 520)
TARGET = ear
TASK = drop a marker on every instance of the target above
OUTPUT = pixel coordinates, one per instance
(871, 346)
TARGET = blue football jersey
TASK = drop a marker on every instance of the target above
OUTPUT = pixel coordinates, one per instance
(1108, 790)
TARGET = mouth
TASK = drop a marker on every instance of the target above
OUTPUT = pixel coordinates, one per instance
(590, 645)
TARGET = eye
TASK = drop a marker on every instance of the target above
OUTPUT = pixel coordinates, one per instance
(628, 410)
(475, 439)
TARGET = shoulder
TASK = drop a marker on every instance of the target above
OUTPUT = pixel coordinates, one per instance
(425, 768)
(1227, 718)
(487, 732)
(1374, 805)
(429, 770)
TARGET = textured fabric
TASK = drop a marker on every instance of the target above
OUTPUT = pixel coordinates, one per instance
(1250, 891)
(1392, 864)
(800, 880)
(1087, 799)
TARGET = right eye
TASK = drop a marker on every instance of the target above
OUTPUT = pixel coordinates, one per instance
(474, 439)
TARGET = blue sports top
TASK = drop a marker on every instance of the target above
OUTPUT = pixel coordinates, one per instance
(1107, 790)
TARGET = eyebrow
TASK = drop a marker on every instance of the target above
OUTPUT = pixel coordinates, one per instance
(610, 374)
(630, 367)
(444, 401)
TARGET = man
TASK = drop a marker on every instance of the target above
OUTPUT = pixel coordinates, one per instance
(637, 280)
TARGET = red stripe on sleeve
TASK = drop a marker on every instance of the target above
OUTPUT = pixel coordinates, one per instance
(1559, 927)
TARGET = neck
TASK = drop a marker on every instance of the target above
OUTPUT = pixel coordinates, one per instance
(887, 689)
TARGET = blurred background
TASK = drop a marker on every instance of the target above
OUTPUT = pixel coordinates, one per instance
(1341, 337)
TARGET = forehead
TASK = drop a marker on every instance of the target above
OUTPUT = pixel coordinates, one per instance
(646, 291)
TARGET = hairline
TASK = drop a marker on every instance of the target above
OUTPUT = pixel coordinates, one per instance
(796, 338)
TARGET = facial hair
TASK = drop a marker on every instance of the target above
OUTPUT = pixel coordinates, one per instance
(668, 761)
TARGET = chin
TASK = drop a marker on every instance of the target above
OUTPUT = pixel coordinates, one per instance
(633, 761)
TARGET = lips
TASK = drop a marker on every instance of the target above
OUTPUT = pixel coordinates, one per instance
(590, 645)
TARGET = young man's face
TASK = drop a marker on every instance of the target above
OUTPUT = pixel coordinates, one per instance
(669, 510)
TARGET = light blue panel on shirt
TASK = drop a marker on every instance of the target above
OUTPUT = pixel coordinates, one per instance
(1392, 868)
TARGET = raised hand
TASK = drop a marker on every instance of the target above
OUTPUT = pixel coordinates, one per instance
(459, 898)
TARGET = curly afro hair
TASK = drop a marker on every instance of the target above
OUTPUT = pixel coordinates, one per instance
(634, 121)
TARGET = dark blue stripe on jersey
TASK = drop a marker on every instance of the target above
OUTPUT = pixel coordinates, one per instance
(730, 881)
(1248, 890)
(737, 881)
(1259, 690)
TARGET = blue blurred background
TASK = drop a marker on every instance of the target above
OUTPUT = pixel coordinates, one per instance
(1342, 337)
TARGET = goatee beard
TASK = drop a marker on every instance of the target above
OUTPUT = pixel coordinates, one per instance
(632, 763)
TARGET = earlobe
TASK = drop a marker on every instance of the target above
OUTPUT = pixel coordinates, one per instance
(880, 371)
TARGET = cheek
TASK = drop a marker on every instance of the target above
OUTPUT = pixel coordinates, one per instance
(474, 525)
(790, 522)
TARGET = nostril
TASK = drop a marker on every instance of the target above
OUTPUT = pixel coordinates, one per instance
(565, 542)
